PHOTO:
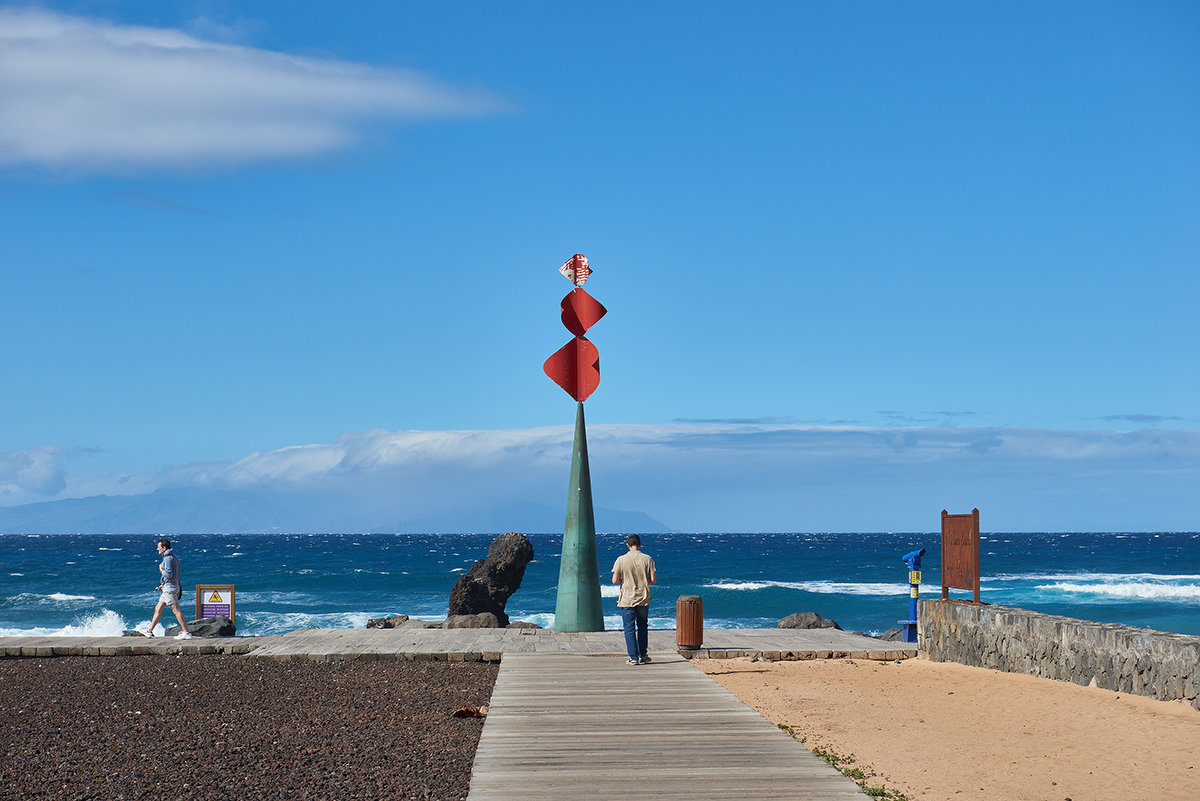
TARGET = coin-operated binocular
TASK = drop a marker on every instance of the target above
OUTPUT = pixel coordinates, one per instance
(913, 560)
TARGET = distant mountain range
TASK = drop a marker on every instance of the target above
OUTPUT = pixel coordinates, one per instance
(186, 511)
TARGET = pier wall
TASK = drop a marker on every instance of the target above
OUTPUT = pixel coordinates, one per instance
(1128, 660)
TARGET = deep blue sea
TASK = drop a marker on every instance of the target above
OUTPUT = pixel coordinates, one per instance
(102, 584)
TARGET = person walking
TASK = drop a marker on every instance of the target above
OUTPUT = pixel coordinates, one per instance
(634, 572)
(170, 588)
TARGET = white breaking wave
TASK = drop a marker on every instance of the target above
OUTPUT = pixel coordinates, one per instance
(102, 548)
(1101, 577)
(1129, 590)
(261, 623)
(54, 597)
(821, 587)
(543, 619)
(105, 623)
(609, 591)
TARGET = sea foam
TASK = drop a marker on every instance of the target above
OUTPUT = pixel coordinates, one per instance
(1129, 590)
(26, 599)
(1100, 577)
(105, 623)
(262, 623)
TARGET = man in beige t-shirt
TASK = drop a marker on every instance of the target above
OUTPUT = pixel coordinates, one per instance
(634, 572)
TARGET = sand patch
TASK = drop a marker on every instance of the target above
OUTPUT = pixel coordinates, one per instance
(947, 732)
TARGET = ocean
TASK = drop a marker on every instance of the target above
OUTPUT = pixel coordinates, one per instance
(76, 584)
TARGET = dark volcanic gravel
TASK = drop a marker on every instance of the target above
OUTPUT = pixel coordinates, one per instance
(218, 727)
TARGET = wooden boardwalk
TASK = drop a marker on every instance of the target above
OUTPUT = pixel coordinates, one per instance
(566, 727)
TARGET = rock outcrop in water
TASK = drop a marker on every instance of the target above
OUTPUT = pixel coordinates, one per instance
(807, 620)
(490, 582)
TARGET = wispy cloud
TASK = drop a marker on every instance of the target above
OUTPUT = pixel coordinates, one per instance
(737, 420)
(922, 418)
(89, 94)
(707, 477)
(1140, 419)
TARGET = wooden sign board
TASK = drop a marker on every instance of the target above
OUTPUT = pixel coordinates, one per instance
(960, 553)
(213, 600)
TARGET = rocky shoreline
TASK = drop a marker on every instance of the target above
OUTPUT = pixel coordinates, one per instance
(203, 727)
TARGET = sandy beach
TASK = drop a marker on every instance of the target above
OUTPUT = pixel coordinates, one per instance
(947, 732)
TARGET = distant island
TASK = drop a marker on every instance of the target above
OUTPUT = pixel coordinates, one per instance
(191, 510)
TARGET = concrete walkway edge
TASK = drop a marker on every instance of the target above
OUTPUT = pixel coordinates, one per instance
(470, 645)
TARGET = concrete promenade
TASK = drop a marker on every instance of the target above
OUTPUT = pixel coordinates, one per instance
(474, 645)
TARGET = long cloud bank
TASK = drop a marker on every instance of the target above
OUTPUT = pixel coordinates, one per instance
(88, 94)
(714, 477)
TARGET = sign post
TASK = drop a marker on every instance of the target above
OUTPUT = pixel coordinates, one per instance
(213, 600)
(960, 553)
(576, 368)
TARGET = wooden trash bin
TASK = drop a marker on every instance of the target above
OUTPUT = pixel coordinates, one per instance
(689, 621)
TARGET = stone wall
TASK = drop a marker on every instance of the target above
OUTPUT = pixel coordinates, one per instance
(1128, 660)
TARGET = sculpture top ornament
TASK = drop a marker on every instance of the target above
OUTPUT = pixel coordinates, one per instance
(576, 270)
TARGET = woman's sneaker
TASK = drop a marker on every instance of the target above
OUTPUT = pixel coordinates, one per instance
(633, 662)
(183, 635)
(645, 660)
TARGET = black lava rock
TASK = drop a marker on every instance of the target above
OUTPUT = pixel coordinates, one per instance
(219, 626)
(487, 586)
(807, 620)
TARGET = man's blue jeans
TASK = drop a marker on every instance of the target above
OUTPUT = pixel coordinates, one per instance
(637, 635)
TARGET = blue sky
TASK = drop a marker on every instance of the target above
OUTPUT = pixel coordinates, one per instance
(861, 261)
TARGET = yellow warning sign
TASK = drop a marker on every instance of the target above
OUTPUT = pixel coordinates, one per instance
(215, 598)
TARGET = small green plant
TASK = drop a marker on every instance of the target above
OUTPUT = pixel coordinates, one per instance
(854, 774)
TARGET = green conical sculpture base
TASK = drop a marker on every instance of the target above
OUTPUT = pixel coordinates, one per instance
(577, 607)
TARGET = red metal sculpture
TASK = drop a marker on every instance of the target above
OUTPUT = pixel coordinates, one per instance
(576, 366)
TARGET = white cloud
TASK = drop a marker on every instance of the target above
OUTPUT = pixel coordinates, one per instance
(740, 477)
(84, 93)
(31, 475)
